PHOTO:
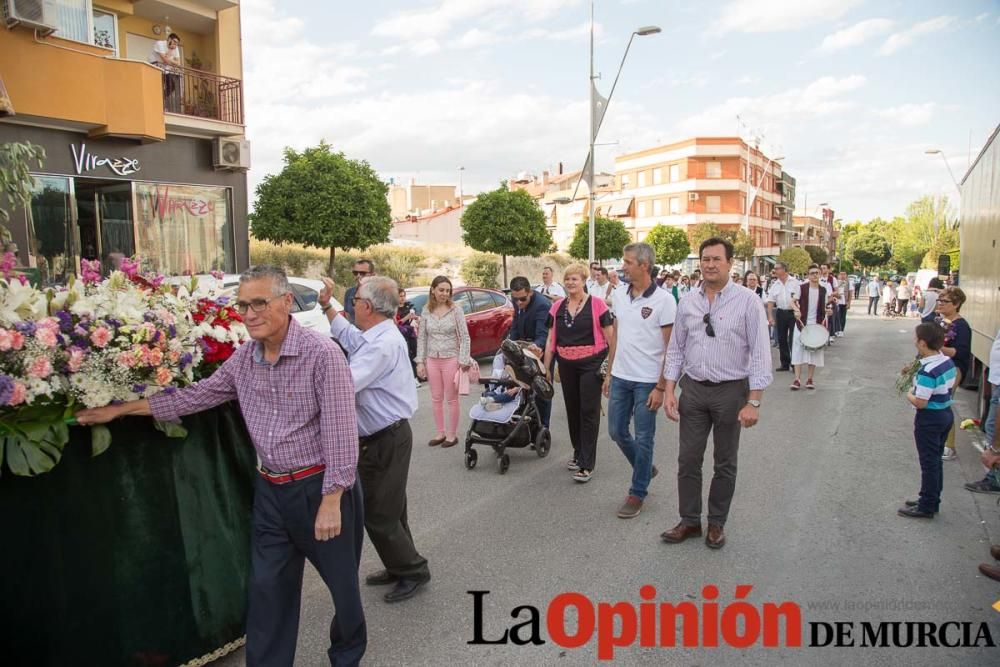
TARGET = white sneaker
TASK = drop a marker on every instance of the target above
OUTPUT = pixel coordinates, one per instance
(949, 454)
(483, 401)
(572, 465)
(418, 383)
(582, 476)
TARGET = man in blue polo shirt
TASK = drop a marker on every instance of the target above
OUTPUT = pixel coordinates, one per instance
(531, 311)
(644, 318)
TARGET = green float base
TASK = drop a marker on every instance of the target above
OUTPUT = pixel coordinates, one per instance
(140, 556)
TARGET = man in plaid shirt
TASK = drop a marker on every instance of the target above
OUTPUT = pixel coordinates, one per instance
(296, 394)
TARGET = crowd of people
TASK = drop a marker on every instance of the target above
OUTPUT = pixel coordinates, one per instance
(329, 416)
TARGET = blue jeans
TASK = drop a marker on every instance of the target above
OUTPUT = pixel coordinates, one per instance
(990, 427)
(627, 400)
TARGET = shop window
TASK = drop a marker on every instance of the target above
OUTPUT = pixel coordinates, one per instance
(713, 170)
(182, 229)
(713, 204)
(50, 221)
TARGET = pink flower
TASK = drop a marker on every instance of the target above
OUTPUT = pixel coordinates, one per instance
(100, 336)
(127, 359)
(155, 357)
(19, 395)
(130, 267)
(46, 337)
(6, 340)
(163, 376)
(75, 361)
(90, 271)
(16, 340)
(41, 367)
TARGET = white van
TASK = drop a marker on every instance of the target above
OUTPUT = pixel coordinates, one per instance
(920, 278)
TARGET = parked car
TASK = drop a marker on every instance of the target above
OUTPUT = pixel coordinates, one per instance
(305, 303)
(487, 312)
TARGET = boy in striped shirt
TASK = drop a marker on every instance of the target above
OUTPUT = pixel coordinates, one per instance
(931, 396)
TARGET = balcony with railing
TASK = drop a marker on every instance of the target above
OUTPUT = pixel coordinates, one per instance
(205, 95)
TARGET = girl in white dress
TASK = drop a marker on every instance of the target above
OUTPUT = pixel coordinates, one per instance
(806, 314)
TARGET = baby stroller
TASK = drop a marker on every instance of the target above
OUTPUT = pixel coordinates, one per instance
(516, 422)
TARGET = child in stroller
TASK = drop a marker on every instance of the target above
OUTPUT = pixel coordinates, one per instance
(507, 414)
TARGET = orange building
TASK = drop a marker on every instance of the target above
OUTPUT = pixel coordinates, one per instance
(704, 179)
(139, 159)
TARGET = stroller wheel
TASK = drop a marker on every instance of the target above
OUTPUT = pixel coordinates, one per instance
(543, 442)
(503, 463)
(470, 459)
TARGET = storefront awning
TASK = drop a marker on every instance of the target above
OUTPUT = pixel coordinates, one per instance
(769, 260)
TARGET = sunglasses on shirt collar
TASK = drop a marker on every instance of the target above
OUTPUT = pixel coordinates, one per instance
(708, 325)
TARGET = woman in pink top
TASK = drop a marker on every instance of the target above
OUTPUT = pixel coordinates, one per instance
(580, 335)
(442, 349)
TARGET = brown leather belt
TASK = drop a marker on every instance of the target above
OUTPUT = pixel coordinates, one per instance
(291, 476)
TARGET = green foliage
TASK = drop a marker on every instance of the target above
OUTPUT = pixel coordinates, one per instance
(610, 236)
(743, 245)
(16, 181)
(32, 438)
(506, 222)
(817, 254)
(796, 259)
(294, 259)
(870, 249)
(481, 270)
(322, 199)
(670, 244)
(702, 231)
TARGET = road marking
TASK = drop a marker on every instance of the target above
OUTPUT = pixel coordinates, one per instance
(996, 605)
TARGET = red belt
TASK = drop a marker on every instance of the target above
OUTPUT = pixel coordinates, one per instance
(294, 475)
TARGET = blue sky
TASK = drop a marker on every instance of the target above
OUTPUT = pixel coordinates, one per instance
(850, 92)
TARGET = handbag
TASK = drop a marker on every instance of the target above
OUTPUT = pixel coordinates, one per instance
(465, 379)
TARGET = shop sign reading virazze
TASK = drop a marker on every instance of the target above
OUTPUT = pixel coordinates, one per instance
(84, 161)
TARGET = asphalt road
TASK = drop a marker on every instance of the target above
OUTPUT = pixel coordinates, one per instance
(813, 521)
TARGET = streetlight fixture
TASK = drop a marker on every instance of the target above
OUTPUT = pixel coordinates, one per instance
(938, 151)
(752, 195)
(598, 107)
(461, 197)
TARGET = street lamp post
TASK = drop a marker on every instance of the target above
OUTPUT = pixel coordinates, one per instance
(598, 107)
(938, 151)
(461, 198)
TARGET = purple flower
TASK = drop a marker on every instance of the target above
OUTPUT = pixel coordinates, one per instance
(6, 389)
(172, 330)
(65, 321)
(149, 316)
(222, 301)
(138, 388)
(186, 360)
(27, 327)
(169, 390)
(156, 336)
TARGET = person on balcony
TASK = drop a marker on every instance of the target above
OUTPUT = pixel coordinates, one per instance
(167, 55)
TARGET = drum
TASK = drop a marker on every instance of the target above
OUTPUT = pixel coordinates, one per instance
(814, 337)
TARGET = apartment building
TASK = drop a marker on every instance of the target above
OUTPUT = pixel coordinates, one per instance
(564, 199)
(786, 209)
(139, 160)
(703, 179)
(816, 231)
(415, 200)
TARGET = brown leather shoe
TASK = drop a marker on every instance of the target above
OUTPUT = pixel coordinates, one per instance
(681, 532)
(995, 551)
(715, 538)
(436, 441)
(449, 443)
(991, 571)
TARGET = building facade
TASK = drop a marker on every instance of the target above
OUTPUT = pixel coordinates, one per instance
(786, 209)
(812, 230)
(417, 200)
(139, 160)
(703, 179)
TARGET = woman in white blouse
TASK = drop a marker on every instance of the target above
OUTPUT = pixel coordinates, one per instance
(442, 349)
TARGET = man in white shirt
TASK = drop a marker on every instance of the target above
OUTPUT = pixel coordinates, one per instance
(594, 279)
(831, 284)
(644, 318)
(167, 55)
(783, 290)
(843, 301)
(874, 292)
(991, 456)
(548, 288)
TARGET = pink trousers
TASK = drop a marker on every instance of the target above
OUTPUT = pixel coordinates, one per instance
(441, 375)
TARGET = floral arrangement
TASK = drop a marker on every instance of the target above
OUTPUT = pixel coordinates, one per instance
(905, 381)
(95, 342)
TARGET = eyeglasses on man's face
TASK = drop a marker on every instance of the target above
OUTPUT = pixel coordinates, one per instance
(360, 274)
(521, 299)
(256, 305)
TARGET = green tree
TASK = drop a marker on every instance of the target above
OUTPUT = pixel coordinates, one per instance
(670, 244)
(796, 259)
(16, 181)
(705, 230)
(322, 199)
(505, 222)
(817, 254)
(870, 249)
(610, 236)
(743, 245)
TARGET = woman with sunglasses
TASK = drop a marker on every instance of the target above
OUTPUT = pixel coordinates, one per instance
(442, 349)
(580, 335)
(957, 345)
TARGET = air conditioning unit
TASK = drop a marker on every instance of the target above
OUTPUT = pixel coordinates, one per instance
(39, 15)
(693, 196)
(231, 153)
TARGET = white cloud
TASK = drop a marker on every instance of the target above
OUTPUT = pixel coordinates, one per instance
(747, 80)
(777, 15)
(475, 38)
(854, 35)
(982, 17)
(696, 80)
(909, 115)
(899, 40)
(439, 19)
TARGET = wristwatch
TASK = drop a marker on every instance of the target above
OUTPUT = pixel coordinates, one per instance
(754, 402)
(326, 307)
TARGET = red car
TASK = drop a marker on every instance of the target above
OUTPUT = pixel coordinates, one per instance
(487, 312)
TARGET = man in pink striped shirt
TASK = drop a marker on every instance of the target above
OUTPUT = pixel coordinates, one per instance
(720, 354)
(296, 395)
